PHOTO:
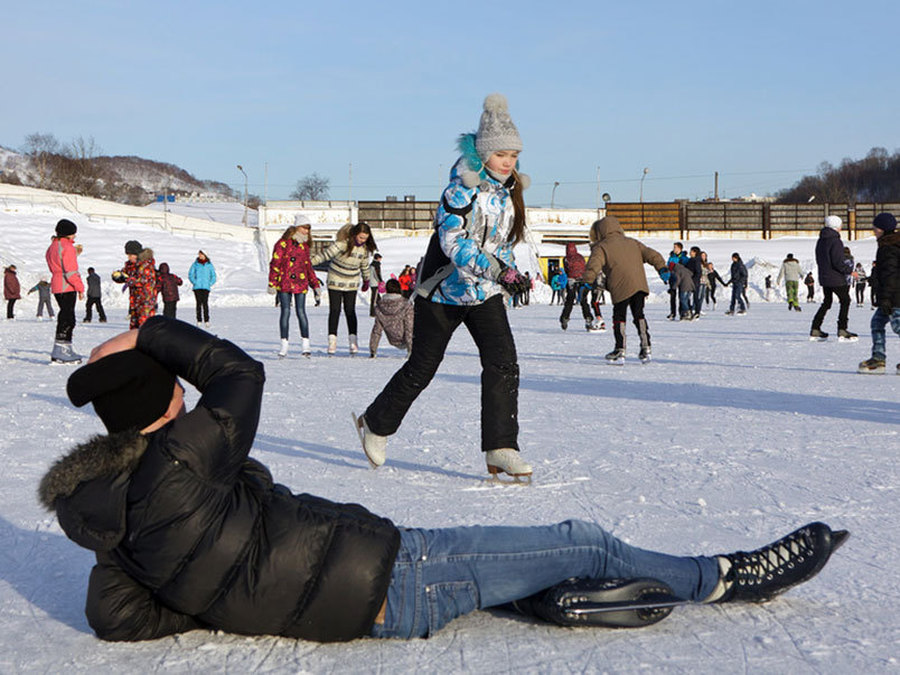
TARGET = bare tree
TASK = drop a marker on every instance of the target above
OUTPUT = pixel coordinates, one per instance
(41, 148)
(312, 187)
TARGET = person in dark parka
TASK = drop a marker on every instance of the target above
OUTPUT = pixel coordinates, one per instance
(833, 271)
(189, 532)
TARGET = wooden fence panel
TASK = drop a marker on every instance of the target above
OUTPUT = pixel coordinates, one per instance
(647, 216)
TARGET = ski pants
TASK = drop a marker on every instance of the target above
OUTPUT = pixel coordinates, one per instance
(880, 319)
(737, 296)
(44, 302)
(843, 295)
(10, 305)
(299, 302)
(170, 308)
(791, 288)
(336, 300)
(441, 574)
(572, 292)
(201, 295)
(91, 302)
(65, 318)
(433, 326)
(634, 302)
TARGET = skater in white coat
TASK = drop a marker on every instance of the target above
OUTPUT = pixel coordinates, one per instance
(468, 264)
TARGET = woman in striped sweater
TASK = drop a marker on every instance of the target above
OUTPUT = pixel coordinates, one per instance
(349, 256)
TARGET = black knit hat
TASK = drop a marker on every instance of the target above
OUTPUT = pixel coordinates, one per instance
(133, 247)
(66, 228)
(129, 389)
(885, 222)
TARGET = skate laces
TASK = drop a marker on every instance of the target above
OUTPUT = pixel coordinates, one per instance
(763, 564)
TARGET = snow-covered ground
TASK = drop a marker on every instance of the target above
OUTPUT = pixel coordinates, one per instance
(739, 431)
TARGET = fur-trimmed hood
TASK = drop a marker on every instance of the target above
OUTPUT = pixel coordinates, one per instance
(88, 486)
(472, 170)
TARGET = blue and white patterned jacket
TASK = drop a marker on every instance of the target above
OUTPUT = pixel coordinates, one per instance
(473, 224)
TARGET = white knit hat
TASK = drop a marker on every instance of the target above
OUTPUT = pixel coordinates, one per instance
(834, 222)
(301, 220)
(496, 130)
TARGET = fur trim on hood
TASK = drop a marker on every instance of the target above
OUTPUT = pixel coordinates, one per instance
(100, 457)
(145, 255)
(472, 170)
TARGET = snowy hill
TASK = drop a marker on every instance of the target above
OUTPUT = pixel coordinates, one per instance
(739, 431)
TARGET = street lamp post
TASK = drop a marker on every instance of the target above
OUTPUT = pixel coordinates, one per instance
(643, 176)
(553, 193)
(241, 169)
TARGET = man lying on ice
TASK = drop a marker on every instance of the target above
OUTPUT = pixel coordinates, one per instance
(190, 532)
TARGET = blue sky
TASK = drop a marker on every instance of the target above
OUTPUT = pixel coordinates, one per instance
(761, 92)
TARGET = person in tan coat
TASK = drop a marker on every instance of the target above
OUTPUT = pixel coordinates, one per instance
(620, 260)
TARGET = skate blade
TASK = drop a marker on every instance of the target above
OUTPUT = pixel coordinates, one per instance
(616, 362)
(817, 339)
(58, 362)
(871, 371)
(844, 339)
(512, 478)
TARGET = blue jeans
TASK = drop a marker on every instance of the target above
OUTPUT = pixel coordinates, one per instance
(284, 301)
(442, 574)
(879, 334)
(684, 303)
(737, 296)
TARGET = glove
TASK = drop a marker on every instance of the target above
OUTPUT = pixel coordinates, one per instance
(512, 281)
(382, 288)
(119, 276)
(318, 296)
(664, 275)
(365, 286)
(272, 290)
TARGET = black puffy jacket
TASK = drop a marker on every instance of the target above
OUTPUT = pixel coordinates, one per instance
(886, 279)
(833, 268)
(190, 533)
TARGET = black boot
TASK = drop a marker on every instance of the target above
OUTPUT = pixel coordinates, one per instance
(762, 574)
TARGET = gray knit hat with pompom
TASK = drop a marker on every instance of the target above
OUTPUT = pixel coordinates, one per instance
(496, 130)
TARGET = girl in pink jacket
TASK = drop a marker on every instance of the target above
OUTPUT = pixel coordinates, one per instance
(66, 284)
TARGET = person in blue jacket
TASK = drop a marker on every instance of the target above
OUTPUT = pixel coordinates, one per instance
(202, 275)
(466, 269)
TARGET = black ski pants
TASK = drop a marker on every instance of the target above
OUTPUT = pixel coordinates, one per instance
(574, 290)
(843, 295)
(433, 326)
(94, 302)
(65, 317)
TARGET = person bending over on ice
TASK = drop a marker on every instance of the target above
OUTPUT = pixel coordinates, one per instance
(394, 318)
(190, 532)
(470, 256)
(621, 260)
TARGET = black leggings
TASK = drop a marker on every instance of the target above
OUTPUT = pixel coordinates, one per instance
(65, 318)
(202, 297)
(335, 300)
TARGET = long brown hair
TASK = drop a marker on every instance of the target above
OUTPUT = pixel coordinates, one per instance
(357, 229)
(517, 233)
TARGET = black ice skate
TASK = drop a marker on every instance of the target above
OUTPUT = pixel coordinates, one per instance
(817, 335)
(845, 335)
(616, 356)
(872, 366)
(762, 574)
(644, 355)
(607, 603)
